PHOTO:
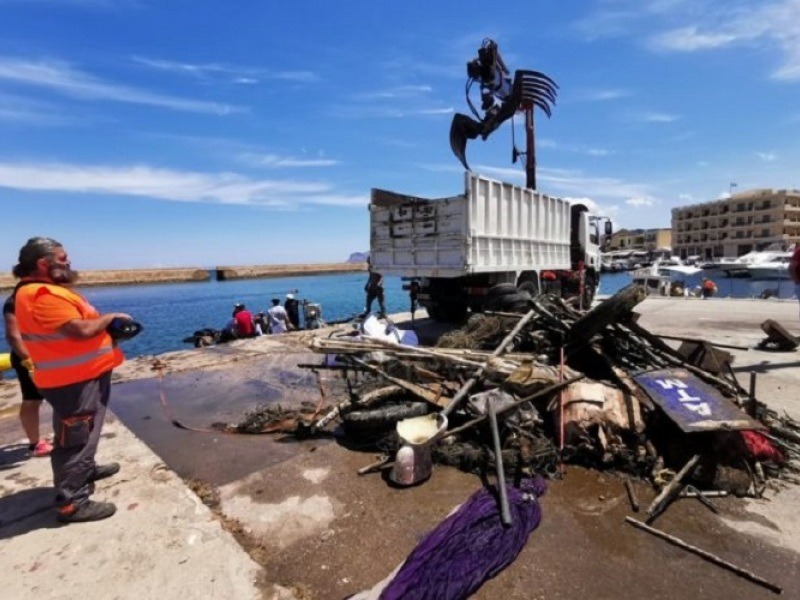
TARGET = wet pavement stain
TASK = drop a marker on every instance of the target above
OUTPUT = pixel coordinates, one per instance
(202, 399)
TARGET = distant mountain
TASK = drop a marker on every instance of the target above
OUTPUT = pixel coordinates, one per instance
(358, 257)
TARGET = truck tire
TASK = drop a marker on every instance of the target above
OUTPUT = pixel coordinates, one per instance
(383, 418)
(434, 312)
(501, 289)
(516, 302)
(530, 286)
(453, 312)
(609, 311)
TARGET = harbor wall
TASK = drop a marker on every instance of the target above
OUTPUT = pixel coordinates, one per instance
(127, 277)
(257, 271)
(192, 274)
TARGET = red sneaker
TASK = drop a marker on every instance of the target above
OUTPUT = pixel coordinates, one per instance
(42, 448)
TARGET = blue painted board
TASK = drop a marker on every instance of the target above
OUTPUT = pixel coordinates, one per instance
(693, 404)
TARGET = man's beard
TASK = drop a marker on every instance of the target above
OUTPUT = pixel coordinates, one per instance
(61, 274)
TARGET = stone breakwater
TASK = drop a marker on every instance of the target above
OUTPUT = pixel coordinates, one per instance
(256, 271)
(127, 277)
(190, 274)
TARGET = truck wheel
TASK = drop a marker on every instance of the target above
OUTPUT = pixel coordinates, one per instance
(516, 302)
(607, 312)
(434, 312)
(453, 312)
(501, 289)
(383, 418)
(532, 287)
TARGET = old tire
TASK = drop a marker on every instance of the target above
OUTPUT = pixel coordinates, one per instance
(518, 301)
(383, 418)
(501, 289)
(531, 286)
(609, 311)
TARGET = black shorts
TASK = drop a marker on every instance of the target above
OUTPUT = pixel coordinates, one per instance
(29, 389)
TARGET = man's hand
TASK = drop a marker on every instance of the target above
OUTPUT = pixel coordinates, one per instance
(86, 328)
(28, 364)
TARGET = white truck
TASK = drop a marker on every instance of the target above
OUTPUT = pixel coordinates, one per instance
(484, 248)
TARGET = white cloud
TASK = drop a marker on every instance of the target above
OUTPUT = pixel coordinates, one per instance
(704, 25)
(366, 111)
(657, 117)
(766, 156)
(603, 95)
(20, 109)
(275, 161)
(685, 197)
(62, 78)
(236, 74)
(769, 24)
(436, 111)
(636, 202)
(689, 39)
(402, 91)
(577, 149)
(166, 184)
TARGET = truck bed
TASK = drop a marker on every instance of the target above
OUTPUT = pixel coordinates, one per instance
(493, 226)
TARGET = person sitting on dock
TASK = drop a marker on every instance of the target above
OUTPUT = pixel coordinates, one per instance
(243, 322)
(708, 288)
(278, 319)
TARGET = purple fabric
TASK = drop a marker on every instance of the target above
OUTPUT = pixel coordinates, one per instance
(468, 547)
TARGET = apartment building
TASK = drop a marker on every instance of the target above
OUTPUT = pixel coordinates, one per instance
(640, 239)
(751, 220)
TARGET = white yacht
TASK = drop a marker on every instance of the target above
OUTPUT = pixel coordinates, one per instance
(742, 265)
(775, 268)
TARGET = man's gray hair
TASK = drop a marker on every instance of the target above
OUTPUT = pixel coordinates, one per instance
(34, 249)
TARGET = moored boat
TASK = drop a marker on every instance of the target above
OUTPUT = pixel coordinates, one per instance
(773, 269)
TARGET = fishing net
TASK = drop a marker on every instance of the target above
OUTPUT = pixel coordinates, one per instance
(479, 331)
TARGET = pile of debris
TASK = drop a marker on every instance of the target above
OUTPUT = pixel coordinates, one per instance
(593, 388)
(521, 394)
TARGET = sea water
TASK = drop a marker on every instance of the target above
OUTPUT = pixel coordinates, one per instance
(172, 312)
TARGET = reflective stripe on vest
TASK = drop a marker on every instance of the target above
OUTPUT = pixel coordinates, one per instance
(32, 337)
(72, 360)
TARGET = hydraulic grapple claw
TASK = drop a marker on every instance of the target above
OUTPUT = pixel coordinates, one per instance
(462, 129)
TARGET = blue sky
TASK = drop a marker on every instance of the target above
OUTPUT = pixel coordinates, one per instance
(146, 133)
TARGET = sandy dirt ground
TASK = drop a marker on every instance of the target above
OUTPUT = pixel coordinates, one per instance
(317, 528)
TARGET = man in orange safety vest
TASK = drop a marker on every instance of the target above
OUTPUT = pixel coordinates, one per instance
(73, 357)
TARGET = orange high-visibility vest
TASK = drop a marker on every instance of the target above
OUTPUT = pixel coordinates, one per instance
(58, 359)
